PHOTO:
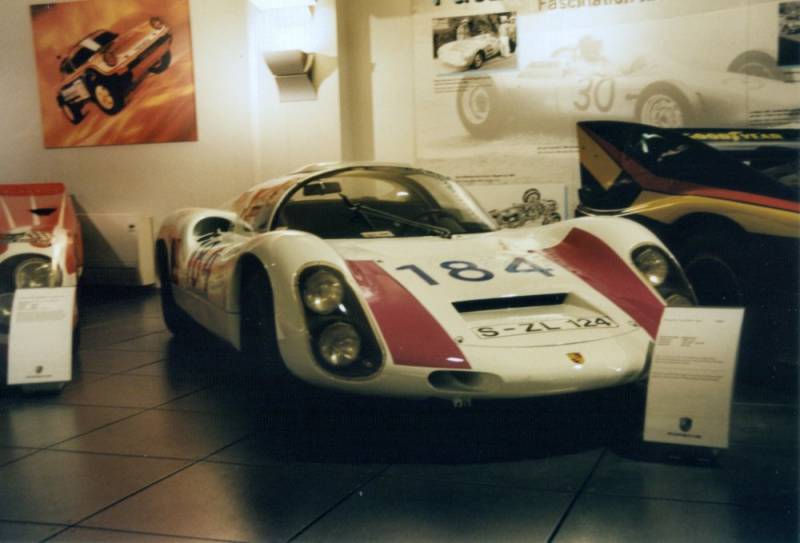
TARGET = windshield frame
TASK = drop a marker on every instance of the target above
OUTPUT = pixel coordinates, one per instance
(272, 223)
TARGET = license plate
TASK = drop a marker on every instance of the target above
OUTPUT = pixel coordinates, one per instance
(543, 326)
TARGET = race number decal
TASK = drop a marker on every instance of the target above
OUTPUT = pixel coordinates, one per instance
(464, 270)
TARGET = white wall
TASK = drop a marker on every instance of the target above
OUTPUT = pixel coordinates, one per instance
(293, 134)
(377, 79)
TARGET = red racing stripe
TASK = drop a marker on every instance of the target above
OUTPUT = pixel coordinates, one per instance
(597, 264)
(413, 335)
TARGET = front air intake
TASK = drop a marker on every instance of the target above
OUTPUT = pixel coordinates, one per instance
(511, 302)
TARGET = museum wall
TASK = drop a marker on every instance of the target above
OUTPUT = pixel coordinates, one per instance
(377, 80)
(244, 133)
(295, 133)
(148, 178)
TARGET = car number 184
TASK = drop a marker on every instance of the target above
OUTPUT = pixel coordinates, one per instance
(542, 326)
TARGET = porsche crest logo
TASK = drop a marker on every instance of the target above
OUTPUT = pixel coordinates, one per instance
(577, 358)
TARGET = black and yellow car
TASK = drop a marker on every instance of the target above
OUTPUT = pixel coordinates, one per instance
(725, 201)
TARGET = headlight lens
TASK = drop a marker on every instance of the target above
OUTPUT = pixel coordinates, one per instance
(322, 292)
(340, 344)
(679, 300)
(654, 264)
(36, 272)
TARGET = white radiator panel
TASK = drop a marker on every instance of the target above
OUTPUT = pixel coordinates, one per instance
(118, 249)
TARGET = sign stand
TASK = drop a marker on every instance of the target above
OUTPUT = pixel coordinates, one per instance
(40, 338)
(690, 388)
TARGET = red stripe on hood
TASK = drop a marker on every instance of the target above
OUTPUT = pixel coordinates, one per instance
(597, 264)
(413, 335)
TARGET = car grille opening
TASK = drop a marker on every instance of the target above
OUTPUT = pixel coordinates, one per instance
(512, 302)
(464, 381)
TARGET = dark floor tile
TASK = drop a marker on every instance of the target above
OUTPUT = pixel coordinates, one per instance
(108, 333)
(157, 342)
(10, 454)
(398, 509)
(172, 434)
(756, 477)
(110, 361)
(231, 502)
(95, 535)
(268, 448)
(763, 424)
(622, 519)
(560, 473)
(64, 487)
(23, 532)
(32, 424)
(128, 391)
(237, 396)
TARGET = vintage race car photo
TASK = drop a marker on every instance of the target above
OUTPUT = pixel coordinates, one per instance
(390, 280)
(104, 67)
(726, 202)
(470, 53)
(582, 84)
(40, 242)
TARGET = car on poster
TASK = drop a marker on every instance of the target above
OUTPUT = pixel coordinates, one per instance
(726, 202)
(104, 67)
(470, 53)
(40, 242)
(386, 279)
(581, 83)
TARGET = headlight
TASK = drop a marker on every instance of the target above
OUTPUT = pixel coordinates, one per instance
(679, 300)
(322, 292)
(36, 272)
(340, 344)
(653, 264)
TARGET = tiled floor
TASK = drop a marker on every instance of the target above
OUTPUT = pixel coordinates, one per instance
(158, 440)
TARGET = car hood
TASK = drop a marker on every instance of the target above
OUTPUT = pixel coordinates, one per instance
(135, 40)
(507, 282)
(33, 207)
(469, 45)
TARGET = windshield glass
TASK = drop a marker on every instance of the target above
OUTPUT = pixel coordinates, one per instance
(360, 203)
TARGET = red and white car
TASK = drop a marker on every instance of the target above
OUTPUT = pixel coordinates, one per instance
(390, 280)
(40, 242)
(104, 67)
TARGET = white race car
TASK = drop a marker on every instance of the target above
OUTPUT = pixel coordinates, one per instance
(470, 53)
(390, 280)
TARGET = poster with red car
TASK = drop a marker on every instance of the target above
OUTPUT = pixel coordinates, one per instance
(113, 72)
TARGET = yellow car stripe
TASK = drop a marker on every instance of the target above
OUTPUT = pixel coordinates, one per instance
(755, 219)
(602, 167)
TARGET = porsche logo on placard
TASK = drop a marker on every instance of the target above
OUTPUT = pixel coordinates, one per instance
(577, 358)
(685, 424)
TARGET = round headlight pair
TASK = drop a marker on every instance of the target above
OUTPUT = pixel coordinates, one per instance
(654, 265)
(36, 272)
(322, 292)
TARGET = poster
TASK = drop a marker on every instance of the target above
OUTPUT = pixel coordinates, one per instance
(511, 120)
(114, 72)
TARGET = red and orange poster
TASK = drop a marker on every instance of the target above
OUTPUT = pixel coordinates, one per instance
(113, 72)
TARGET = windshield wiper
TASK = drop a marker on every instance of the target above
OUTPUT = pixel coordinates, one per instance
(367, 210)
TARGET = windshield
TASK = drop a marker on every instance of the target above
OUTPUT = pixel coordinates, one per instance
(381, 201)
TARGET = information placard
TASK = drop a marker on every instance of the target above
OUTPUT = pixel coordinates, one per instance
(691, 378)
(40, 336)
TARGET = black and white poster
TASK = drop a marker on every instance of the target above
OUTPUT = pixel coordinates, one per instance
(500, 84)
